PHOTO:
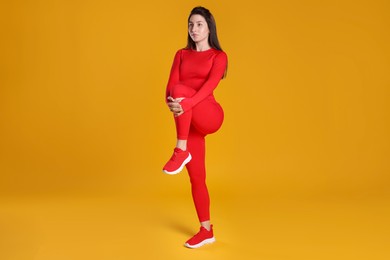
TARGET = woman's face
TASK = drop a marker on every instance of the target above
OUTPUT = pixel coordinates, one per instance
(198, 29)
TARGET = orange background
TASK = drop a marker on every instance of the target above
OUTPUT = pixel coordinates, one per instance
(82, 118)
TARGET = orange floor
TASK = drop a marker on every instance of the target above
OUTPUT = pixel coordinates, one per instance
(155, 226)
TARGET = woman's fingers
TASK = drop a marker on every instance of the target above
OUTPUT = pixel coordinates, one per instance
(175, 107)
(178, 113)
(175, 99)
(176, 110)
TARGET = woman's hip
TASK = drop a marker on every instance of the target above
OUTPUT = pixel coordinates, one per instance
(207, 116)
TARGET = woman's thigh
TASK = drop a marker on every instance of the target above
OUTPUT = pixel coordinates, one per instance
(207, 116)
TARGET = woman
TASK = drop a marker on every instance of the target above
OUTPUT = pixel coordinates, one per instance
(195, 73)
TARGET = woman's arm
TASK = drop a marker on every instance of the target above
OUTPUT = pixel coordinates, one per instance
(174, 77)
(215, 75)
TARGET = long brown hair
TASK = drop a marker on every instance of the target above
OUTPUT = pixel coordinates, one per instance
(213, 38)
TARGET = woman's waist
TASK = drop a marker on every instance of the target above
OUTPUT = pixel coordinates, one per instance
(193, 83)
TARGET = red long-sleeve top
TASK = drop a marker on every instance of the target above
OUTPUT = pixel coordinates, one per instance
(201, 71)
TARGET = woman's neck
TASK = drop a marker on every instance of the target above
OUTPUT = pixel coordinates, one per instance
(202, 46)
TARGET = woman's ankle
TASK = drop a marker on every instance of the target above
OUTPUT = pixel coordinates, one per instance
(181, 144)
(206, 225)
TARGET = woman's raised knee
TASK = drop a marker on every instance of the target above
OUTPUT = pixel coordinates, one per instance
(181, 90)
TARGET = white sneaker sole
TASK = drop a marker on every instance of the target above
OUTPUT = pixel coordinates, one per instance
(204, 242)
(181, 166)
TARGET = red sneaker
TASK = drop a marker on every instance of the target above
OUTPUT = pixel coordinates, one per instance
(177, 162)
(201, 238)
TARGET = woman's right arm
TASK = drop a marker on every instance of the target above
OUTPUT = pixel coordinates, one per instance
(174, 77)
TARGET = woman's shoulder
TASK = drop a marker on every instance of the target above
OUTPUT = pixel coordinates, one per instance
(220, 52)
(220, 55)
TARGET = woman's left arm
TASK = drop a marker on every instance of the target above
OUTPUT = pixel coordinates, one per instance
(216, 73)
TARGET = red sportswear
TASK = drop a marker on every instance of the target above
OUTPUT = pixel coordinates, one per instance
(201, 71)
(194, 76)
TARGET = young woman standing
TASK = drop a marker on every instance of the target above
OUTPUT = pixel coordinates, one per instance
(195, 73)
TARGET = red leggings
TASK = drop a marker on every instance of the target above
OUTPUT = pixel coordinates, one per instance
(204, 118)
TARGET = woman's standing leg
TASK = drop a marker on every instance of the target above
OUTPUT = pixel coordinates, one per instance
(197, 173)
(207, 117)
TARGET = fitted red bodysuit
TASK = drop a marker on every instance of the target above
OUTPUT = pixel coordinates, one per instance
(194, 76)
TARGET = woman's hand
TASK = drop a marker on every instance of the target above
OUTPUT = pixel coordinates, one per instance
(174, 106)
